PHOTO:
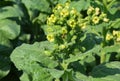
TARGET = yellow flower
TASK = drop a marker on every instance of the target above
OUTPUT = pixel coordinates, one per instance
(97, 11)
(103, 15)
(73, 12)
(67, 4)
(108, 36)
(64, 13)
(64, 30)
(90, 10)
(50, 37)
(72, 23)
(118, 39)
(95, 20)
(62, 46)
(51, 19)
(105, 19)
(59, 6)
(115, 33)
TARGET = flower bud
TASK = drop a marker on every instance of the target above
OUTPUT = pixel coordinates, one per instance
(105, 19)
(90, 10)
(62, 46)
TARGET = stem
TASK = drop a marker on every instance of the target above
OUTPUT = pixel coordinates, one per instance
(102, 58)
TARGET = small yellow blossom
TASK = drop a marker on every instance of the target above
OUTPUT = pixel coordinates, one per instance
(90, 10)
(67, 4)
(97, 11)
(72, 23)
(115, 33)
(118, 39)
(62, 46)
(50, 37)
(95, 20)
(64, 30)
(59, 6)
(103, 15)
(109, 36)
(105, 19)
(73, 12)
(51, 19)
(64, 13)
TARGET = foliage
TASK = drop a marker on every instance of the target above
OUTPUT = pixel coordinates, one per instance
(60, 40)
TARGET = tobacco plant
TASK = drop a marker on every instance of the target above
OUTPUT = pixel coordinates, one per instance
(59, 40)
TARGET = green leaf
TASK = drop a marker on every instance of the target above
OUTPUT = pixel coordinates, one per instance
(106, 72)
(33, 6)
(24, 77)
(56, 73)
(33, 60)
(9, 29)
(80, 5)
(36, 4)
(82, 56)
(116, 23)
(113, 48)
(10, 11)
(81, 77)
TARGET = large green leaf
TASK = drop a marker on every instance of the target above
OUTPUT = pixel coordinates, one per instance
(36, 4)
(115, 23)
(56, 73)
(9, 29)
(80, 4)
(10, 11)
(103, 72)
(33, 6)
(107, 72)
(82, 56)
(33, 60)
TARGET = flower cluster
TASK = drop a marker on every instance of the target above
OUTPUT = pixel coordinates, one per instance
(116, 35)
(96, 15)
(64, 26)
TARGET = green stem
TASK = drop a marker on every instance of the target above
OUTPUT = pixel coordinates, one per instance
(102, 58)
